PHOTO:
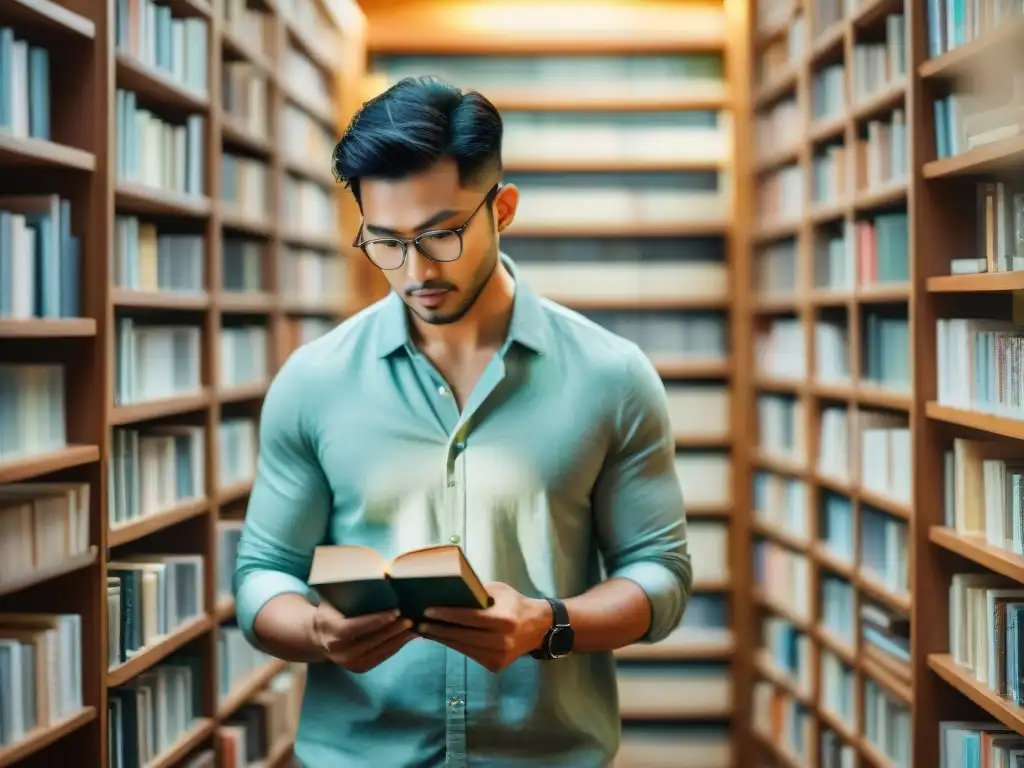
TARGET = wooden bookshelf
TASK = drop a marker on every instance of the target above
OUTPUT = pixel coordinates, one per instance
(81, 160)
(944, 231)
(435, 29)
(824, 378)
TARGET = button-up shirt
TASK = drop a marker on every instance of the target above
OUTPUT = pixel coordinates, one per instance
(558, 472)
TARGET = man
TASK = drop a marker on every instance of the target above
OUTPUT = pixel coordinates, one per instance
(464, 409)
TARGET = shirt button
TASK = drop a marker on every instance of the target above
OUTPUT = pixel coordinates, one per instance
(443, 391)
(454, 538)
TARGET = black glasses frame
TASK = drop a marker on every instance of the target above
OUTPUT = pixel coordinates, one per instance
(415, 241)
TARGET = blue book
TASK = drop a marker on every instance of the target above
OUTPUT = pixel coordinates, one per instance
(38, 93)
(6, 265)
(942, 144)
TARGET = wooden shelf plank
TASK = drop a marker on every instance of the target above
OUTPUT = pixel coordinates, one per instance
(278, 755)
(681, 651)
(224, 610)
(70, 565)
(615, 229)
(871, 12)
(963, 681)
(233, 219)
(602, 165)
(983, 422)
(48, 16)
(149, 524)
(307, 308)
(16, 152)
(991, 281)
(156, 85)
(974, 548)
(139, 198)
(317, 242)
(692, 369)
(41, 738)
(18, 470)
(159, 300)
(1000, 155)
(201, 730)
(146, 657)
(249, 687)
(234, 492)
(963, 58)
(889, 98)
(242, 393)
(47, 328)
(246, 302)
(606, 102)
(156, 409)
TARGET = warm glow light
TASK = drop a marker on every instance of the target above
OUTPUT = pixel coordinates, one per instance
(571, 17)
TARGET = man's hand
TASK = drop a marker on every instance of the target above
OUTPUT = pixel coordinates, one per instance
(493, 637)
(361, 643)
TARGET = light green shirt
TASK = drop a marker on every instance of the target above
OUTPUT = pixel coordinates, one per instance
(558, 472)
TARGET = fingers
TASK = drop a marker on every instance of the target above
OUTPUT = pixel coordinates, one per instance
(465, 617)
(381, 653)
(349, 653)
(332, 626)
(473, 638)
(492, 661)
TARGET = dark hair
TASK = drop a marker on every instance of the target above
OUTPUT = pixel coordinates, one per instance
(412, 125)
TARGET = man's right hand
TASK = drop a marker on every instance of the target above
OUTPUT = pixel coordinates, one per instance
(360, 643)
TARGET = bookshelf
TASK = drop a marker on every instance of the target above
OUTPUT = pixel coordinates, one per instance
(621, 131)
(835, 384)
(165, 243)
(932, 508)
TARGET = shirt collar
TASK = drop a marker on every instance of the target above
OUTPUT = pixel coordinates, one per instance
(529, 327)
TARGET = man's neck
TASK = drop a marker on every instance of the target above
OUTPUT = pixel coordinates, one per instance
(483, 327)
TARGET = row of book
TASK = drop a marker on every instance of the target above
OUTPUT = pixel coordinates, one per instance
(566, 77)
(781, 349)
(867, 447)
(665, 137)
(24, 87)
(847, 256)
(151, 257)
(157, 467)
(161, 361)
(148, 715)
(785, 574)
(878, 161)
(40, 257)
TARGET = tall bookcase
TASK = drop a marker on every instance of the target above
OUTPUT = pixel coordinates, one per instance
(888, 234)
(167, 237)
(831, 461)
(621, 132)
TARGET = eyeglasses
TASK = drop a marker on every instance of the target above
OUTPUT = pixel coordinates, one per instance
(436, 244)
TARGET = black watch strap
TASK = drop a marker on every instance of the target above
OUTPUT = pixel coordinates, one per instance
(559, 613)
(559, 624)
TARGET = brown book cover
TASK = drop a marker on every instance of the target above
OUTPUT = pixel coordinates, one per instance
(358, 580)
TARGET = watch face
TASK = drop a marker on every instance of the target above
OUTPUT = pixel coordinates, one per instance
(562, 640)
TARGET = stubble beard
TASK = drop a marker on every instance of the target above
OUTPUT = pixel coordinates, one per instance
(480, 279)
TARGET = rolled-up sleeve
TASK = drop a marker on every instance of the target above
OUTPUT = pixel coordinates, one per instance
(289, 506)
(638, 503)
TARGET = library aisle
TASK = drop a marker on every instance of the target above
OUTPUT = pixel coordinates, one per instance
(808, 213)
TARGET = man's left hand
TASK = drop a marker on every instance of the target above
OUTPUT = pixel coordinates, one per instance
(493, 637)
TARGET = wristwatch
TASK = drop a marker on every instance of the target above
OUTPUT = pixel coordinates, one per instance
(559, 640)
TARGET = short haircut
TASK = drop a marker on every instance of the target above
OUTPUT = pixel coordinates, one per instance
(413, 125)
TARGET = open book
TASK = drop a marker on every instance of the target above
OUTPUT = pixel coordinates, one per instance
(358, 580)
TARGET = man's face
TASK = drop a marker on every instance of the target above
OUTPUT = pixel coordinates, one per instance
(438, 292)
